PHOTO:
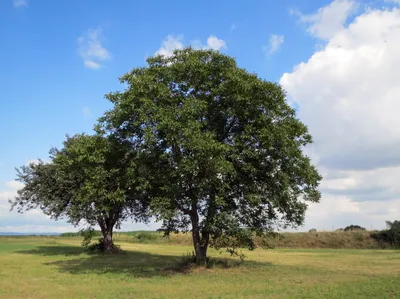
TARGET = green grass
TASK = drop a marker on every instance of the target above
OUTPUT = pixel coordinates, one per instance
(54, 267)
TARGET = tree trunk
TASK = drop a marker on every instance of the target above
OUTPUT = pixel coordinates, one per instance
(200, 243)
(107, 231)
(108, 241)
(201, 250)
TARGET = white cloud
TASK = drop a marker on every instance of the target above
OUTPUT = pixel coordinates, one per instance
(172, 43)
(215, 43)
(5, 195)
(37, 229)
(20, 3)
(91, 49)
(86, 112)
(335, 212)
(33, 161)
(15, 185)
(329, 19)
(348, 94)
(91, 64)
(275, 42)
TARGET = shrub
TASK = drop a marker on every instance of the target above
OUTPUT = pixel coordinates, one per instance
(313, 230)
(99, 247)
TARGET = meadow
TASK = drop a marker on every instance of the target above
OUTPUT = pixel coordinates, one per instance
(58, 267)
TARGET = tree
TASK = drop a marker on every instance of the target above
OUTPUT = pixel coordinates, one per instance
(223, 147)
(92, 179)
(353, 227)
(393, 229)
(391, 235)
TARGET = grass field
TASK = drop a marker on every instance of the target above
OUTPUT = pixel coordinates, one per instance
(54, 267)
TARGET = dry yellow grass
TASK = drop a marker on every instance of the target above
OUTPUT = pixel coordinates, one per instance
(339, 239)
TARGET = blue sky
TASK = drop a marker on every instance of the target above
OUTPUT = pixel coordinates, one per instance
(59, 58)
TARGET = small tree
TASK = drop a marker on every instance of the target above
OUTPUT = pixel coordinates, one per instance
(91, 179)
(223, 148)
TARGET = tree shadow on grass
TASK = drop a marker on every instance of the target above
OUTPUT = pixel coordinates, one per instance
(54, 250)
(132, 263)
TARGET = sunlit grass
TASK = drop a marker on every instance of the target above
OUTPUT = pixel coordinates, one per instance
(50, 267)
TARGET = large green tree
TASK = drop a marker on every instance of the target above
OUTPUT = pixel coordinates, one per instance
(223, 148)
(91, 180)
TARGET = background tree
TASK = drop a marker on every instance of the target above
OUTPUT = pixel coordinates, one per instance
(223, 147)
(353, 227)
(390, 235)
(92, 179)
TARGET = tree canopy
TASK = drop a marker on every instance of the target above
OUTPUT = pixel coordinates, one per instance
(92, 180)
(222, 148)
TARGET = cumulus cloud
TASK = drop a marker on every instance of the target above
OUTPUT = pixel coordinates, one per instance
(91, 50)
(172, 43)
(15, 185)
(348, 95)
(20, 3)
(275, 42)
(328, 20)
(215, 43)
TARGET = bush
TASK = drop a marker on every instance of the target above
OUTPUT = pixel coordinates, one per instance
(391, 235)
(353, 227)
(313, 230)
(99, 247)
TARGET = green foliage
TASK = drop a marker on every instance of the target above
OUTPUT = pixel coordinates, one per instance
(222, 148)
(391, 235)
(87, 235)
(353, 228)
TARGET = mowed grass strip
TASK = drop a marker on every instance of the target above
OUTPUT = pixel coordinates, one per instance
(51, 267)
